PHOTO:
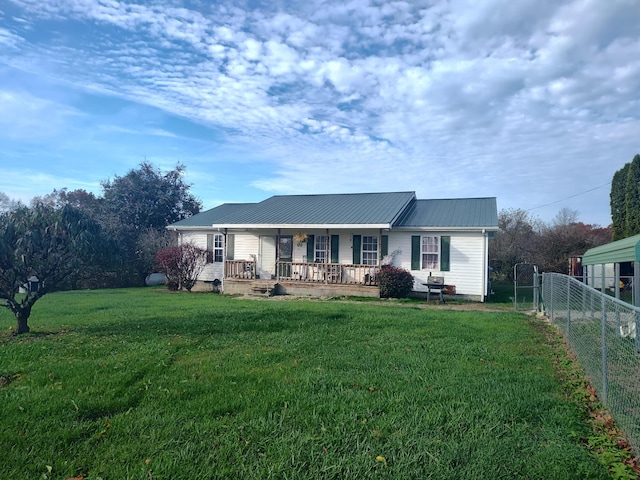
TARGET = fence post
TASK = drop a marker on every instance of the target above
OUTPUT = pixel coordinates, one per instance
(605, 370)
(637, 332)
(551, 301)
(568, 308)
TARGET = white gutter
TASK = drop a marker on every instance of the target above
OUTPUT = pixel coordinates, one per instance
(306, 226)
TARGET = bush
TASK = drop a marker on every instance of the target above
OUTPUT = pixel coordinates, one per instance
(181, 264)
(394, 282)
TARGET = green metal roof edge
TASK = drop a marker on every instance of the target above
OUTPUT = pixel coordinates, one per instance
(625, 250)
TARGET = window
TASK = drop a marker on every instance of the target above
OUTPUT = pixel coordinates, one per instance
(215, 251)
(430, 253)
(285, 248)
(321, 248)
(369, 250)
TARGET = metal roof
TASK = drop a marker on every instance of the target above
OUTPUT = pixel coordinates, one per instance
(212, 216)
(330, 209)
(625, 250)
(451, 212)
(383, 210)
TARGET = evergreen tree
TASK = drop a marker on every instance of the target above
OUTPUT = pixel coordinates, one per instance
(618, 203)
(632, 198)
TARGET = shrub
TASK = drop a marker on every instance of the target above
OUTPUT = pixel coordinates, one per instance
(394, 282)
(181, 264)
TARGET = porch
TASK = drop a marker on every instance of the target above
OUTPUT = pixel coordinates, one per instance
(306, 273)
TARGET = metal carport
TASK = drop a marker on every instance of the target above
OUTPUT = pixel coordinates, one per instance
(620, 251)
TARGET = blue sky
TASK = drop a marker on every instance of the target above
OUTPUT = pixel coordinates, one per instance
(535, 102)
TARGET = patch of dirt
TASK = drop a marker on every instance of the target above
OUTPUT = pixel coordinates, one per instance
(7, 378)
(451, 305)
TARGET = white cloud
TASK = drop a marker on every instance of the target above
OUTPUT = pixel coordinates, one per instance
(373, 91)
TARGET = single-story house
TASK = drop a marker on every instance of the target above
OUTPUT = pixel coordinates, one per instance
(335, 244)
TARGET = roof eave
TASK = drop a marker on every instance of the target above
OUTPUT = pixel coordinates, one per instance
(308, 226)
(473, 228)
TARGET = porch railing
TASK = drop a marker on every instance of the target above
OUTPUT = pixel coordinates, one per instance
(331, 273)
(240, 269)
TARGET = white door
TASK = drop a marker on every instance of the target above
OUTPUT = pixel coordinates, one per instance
(267, 259)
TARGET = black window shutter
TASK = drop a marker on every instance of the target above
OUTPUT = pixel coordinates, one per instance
(384, 246)
(445, 253)
(311, 248)
(357, 245)
(415, 252)
(335, 241)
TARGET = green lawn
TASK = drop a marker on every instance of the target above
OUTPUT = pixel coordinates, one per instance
(145, 384)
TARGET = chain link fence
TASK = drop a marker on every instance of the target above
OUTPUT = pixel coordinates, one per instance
(601, 332)
(526, 291)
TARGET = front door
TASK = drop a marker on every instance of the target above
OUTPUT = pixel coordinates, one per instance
(285, 254)
(267, 263)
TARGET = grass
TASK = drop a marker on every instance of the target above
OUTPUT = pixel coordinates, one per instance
(144, 384)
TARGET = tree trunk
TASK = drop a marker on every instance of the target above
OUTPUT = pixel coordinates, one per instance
(22, 316)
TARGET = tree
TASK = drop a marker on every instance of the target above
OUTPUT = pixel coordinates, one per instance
(7, 204)
(515, 241)
(632, 198)
(142, 201)
(625, 200)
(49, 244)
(80, 199)
(617, 202)
(181, 264)
(565, 237)
(148, 198)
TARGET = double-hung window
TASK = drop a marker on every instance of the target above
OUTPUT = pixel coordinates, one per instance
(430, 252)
(215, 250)
(369, 250)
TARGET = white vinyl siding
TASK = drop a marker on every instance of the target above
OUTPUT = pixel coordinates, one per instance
(466, 261)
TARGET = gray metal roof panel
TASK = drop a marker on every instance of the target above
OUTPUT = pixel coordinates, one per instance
(453, 212)
(339, 209)
(212, 216)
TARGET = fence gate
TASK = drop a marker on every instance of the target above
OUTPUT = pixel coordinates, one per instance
(526, 286)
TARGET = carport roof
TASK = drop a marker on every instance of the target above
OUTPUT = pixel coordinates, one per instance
(625, 250)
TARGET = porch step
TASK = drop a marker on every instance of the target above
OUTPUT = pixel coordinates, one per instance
(262, 288)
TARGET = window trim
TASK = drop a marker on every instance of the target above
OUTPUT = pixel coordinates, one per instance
(371, 255)
(435, 244)
(444, 253)
(215, 248)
